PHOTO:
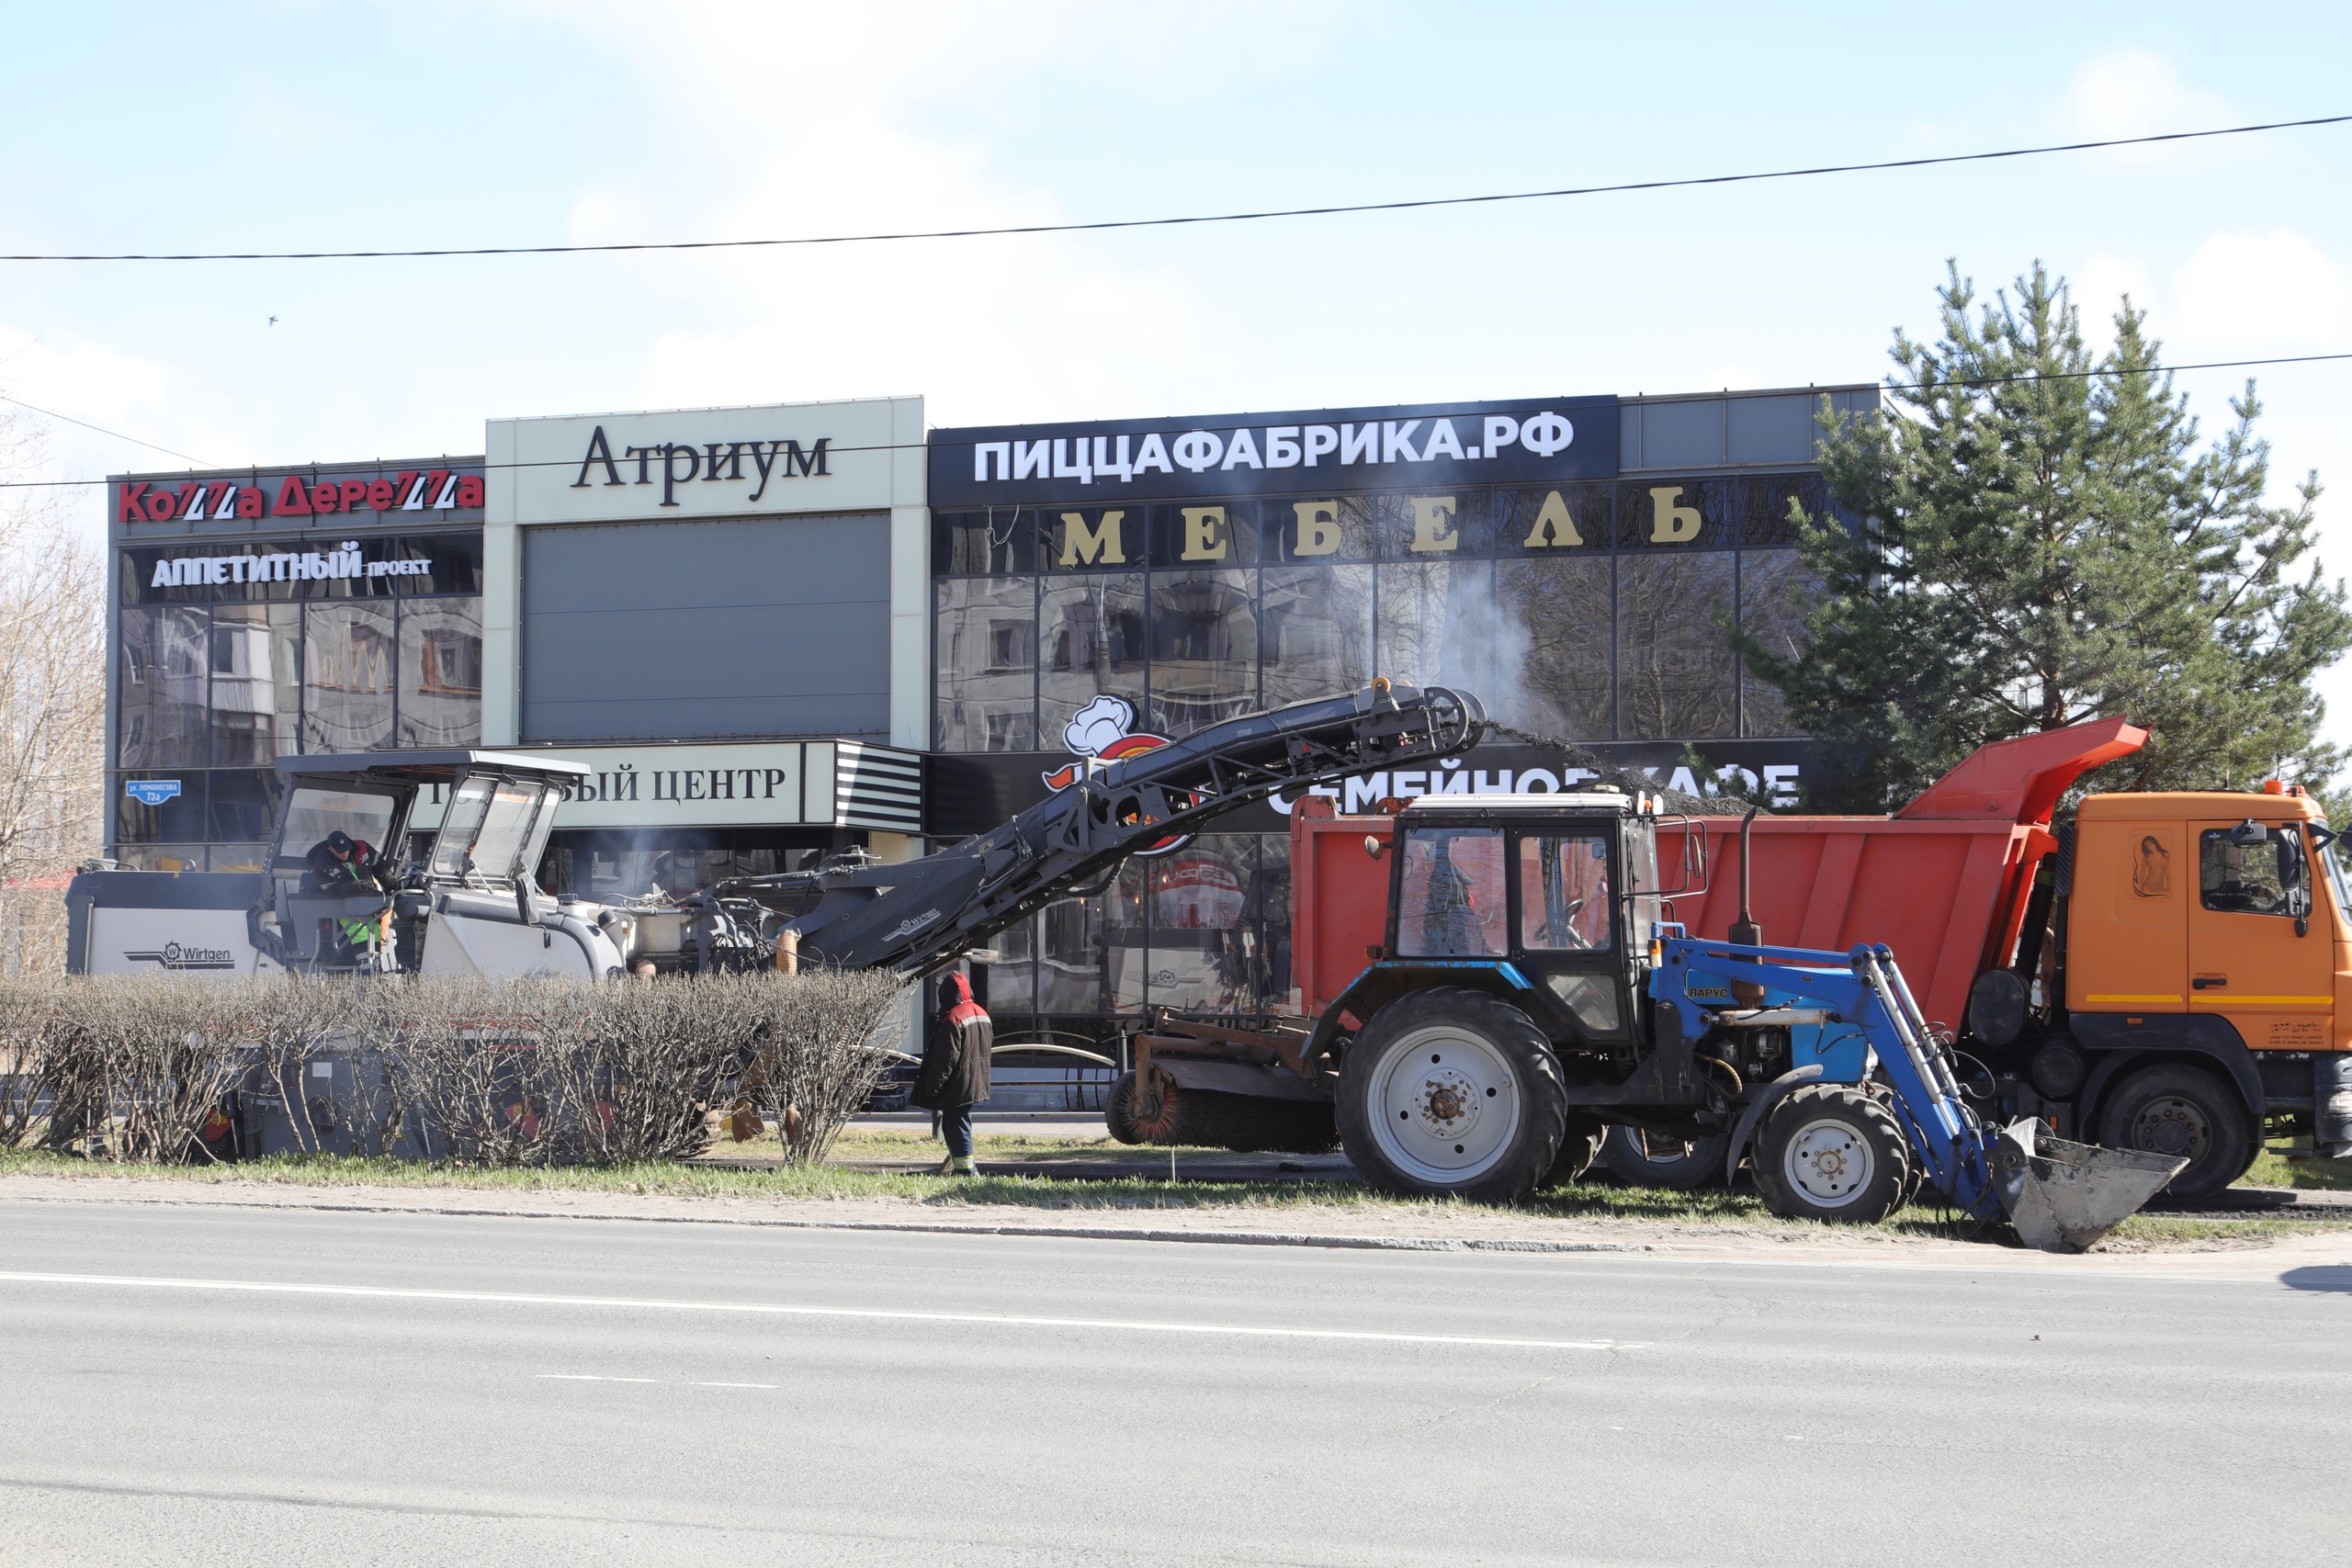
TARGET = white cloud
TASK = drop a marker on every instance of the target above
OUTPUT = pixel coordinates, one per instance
(2274, 290)
(827, 121)
(2133, 93)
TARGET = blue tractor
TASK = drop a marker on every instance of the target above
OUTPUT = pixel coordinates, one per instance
(1534, 989)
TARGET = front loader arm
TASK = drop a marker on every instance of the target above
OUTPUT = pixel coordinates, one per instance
(915, 917)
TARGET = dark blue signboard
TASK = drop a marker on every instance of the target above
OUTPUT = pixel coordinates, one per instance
(1416, 447)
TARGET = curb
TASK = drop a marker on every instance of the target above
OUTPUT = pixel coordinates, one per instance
(915, 1228)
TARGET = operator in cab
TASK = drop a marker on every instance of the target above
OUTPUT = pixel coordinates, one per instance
(341, 864)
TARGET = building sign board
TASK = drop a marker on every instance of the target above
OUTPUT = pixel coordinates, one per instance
(785, 783)
(701, 462)
(220, 497)
(1418, 447)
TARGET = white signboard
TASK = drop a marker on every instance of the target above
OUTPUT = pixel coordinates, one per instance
(674, 786)
(837, 456)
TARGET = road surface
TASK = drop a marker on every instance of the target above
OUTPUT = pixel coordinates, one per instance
(198, 1386)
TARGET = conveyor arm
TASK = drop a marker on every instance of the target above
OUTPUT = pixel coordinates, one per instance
(917, 917)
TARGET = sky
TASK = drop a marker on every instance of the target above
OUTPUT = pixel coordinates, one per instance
(294, 126)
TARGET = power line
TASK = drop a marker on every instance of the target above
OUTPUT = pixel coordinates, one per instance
(1197, 218)
(1220, 429)
(102, 429)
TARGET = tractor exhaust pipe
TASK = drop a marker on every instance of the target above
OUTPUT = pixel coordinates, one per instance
(2063, 1196)
(1745, 931)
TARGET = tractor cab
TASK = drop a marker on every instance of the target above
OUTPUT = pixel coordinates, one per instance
(1548, 900)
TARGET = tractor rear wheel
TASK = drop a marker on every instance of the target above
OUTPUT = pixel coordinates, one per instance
(1639, 1158)
(1833, 1154)
(1449, 1092)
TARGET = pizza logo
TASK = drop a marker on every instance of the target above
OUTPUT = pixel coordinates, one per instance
(1104, 729)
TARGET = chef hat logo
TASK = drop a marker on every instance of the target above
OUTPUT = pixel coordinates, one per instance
(1099, 726)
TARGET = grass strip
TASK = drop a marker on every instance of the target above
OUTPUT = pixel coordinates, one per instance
(1129, 1195)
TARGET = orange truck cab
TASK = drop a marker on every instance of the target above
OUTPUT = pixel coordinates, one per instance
(2204, 951)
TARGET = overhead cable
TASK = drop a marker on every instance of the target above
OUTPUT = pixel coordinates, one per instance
(1100, 226)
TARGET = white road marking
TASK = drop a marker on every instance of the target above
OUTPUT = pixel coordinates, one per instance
(259, 1287)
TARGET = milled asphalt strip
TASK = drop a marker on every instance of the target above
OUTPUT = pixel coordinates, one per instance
(887, 1314)
(917, 1227)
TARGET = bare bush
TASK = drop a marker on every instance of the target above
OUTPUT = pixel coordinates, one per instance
(37, 1041)
(647, 1063)
(167, 1053)
(313, 1058)
(483, 1072)
(466, 1054)
(822, 1051)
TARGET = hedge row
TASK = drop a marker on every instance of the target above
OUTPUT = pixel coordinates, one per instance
(508, 1072)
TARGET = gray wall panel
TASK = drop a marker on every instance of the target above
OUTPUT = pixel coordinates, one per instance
(1772, 430)
(1683, 435)
(762, 626)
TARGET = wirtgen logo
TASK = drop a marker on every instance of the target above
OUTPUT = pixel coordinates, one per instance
(178, 955)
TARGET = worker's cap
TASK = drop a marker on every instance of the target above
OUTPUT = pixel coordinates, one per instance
(339, 841)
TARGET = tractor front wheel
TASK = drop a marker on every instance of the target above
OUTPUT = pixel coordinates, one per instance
(1833, 1154)
(1449, 1092)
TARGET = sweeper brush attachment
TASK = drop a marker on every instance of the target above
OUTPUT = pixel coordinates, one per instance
(2063, 1196)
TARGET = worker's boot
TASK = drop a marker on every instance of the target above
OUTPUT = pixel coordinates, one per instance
(947, 1166)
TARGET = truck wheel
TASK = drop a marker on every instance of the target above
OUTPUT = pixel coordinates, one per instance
(1579, 1148)
(1642, 1158)
(1833, 1154)
(2171, 1110)
(1449, 1092)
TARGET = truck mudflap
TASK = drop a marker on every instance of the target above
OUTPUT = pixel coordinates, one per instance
(2063, 1196)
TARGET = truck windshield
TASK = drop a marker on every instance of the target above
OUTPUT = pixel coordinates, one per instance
(2339, 881)
(1450, 903)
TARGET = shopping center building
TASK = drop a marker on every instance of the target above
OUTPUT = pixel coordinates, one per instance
(774, 632)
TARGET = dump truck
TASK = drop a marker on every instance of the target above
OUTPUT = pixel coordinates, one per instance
(2169, 972)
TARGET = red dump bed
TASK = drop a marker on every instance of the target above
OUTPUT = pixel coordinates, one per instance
(1942, 882)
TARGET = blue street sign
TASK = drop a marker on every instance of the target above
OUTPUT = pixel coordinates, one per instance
(152, 792)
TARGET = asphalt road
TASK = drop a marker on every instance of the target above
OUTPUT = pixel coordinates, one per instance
(202, 1386)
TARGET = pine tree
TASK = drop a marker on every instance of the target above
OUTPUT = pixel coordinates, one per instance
(2031, 538)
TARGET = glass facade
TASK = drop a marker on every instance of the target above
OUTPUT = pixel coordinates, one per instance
(1591, 611)
(1588, 612)
(214, 681)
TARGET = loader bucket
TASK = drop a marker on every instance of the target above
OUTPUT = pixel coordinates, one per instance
(2062, 1195)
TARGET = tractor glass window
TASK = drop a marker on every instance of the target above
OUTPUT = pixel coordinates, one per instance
(459, 825)
(2253, 870)
(1564, 901)
(505, 827)
(1451, 902)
